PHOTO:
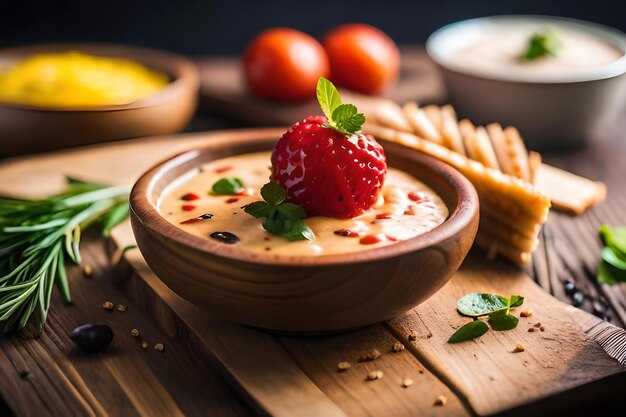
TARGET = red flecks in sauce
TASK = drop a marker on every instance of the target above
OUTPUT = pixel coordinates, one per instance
(346, 233)
(391, 238)
(189, 207)
(205, 216)
(223, 169)
(410, 211)
(190, 197)
(372, 239)
(245, 192)
(417, 196)
(232, 200)
(382, 216)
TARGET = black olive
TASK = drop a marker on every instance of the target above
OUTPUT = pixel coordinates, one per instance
(92, 337)
(578, 298)
(225, 237)
(570, 287)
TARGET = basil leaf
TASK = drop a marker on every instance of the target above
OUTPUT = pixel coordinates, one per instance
(480, 304)
(298, 230)
(328, 97)
(228, 186)
(609, 255)
(258, 209)
(347, 119)
(499, 321)
(291, 211)
(542, 44)
(608, 274)
(515, 301)
(469, 331)
(615, 238)
(273, 193)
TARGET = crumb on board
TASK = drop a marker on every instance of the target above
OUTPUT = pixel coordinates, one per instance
(374, 375)
(397, 347)
(441, 400)
(412, 336)
(368, 356)
(518, 348)
(537, 324)
(343, 366)
(159, 347)
(526, 313)
(108, 306)
(134, 332)
(542, 328)
(407, 383)
(144, 344)
(121, 308)
(87, 271)
(532, 329)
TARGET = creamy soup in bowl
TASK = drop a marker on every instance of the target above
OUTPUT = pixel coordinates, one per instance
(406, 208)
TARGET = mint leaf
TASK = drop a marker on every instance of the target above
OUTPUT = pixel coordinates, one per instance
(258, 209)
(515, 301)
(480, 304)
(471, 330)
(347, 119)
(501, 321)
(608, 274)
(542, 44)
(615, 238)
(228, 186)
(281, 218)
(273, 193)
(328, 97)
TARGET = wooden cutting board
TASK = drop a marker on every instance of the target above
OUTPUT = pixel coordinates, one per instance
(574, 361)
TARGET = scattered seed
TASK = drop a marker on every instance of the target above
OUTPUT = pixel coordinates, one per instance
(121, 308)
(397, 347)
(159, 347)
(108, 306)
(441, 401)
(532, 329)
(518, 348)
(24, 374)
(526, 313)
(368, 356)
(578, 298)
(374, 375)
(407, 383)
(87, 271)
(144, 344)
(537, 324)
(542, 328)
(343, 366)
(412, 336)
(569, 286)
(134, 332)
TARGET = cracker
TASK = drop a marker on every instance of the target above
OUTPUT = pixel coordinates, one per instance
(499, 143)
(504, 231)
(382, 112)
(483, 151)
(422, 126)
(534, 162)
(518, 154)
(569, 192)
(434, 115)
(495, 246)
(450, 130)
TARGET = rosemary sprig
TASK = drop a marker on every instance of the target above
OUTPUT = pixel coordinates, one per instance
(37, 237)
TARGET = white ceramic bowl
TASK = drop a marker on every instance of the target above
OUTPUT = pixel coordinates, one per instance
(552, 111)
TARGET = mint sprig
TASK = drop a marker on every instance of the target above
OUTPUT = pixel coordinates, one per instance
(281, 218)
(228, 186)
(495, 306)
(612, 268)
(542, 44)
(342, 117)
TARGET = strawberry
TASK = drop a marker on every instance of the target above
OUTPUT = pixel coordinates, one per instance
(329, 167)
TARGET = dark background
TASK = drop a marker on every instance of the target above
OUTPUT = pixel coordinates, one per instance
(210, 27)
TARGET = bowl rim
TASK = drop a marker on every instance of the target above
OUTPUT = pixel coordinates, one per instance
(611, 35)
(181, 70)
(145, 212)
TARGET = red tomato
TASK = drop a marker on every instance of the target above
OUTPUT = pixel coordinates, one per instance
(362, 58)
(285, 64)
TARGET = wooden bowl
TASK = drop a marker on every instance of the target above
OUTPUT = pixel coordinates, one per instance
(304, 294)
(25, 129)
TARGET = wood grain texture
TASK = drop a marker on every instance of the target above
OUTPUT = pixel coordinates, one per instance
(287, 376)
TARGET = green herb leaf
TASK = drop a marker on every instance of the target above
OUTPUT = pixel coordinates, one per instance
(228, 186)
(281, 218)
(515, 301)
(258, 209)
(328, 97)
(273, 193)
(342, 117)
(608, 274)
(501, 321)
(615, 238)
(471, 330)
(347, 119)
(480, 304)
(611, 257)
(542, 44)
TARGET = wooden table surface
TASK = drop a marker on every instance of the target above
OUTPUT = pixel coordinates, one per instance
(569, 251)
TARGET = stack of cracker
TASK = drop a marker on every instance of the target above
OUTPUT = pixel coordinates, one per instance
(494, 159)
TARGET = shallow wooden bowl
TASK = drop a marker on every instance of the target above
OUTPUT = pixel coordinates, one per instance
(304, 294)
(25, 129)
